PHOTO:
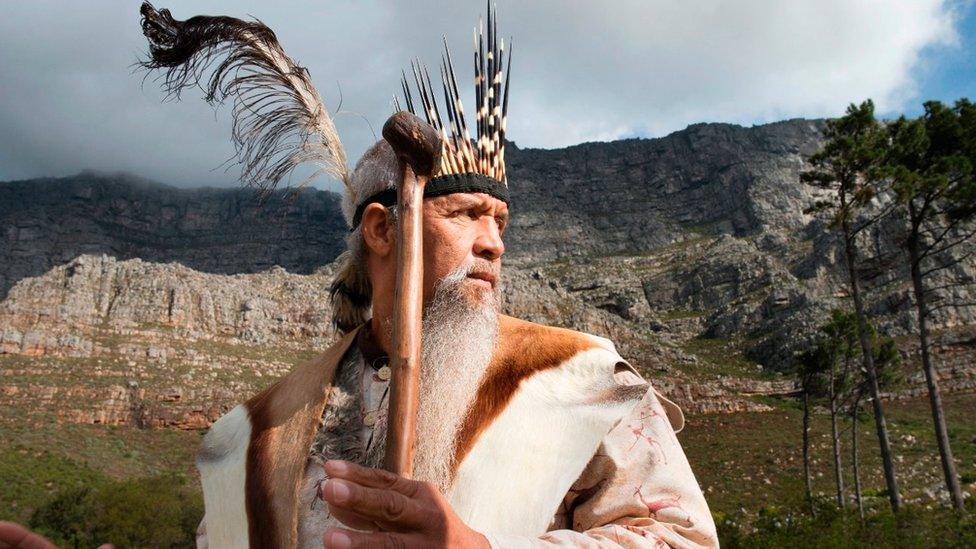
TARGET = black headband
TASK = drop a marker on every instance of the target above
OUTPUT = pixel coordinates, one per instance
(439, 186)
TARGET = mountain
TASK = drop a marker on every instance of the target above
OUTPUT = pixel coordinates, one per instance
(620, 198)
(634, 196)
(126, 301)
(48, 222)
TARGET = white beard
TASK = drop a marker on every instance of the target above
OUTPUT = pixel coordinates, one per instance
(458, 342)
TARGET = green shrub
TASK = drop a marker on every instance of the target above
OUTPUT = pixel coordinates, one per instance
(913, 527)
(149, 512)
(875, 493)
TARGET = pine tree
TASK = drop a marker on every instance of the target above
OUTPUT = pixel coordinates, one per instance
(851, 154)
(827, 371)
(840, 348)
(886, 362)
(809, 367)
(930, 166)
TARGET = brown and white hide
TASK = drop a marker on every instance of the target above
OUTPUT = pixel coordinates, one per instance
(548, 398)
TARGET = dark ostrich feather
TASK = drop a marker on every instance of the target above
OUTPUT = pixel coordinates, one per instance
(279, 120)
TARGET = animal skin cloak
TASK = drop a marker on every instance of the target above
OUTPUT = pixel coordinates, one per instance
(552, 409)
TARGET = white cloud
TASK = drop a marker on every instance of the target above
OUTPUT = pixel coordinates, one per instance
(653, 67)
(582, 71)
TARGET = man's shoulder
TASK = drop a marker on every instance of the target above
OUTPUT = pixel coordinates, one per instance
(538, 346)
(527, 333)
(306, 383)
(314, 374)
(527, 340)
(289, 398)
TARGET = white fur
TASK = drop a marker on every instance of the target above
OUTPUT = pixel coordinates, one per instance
(222, 461)
(603, 342)
(378, 169)
(514, 478)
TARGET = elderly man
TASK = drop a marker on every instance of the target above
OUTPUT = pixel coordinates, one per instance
(527, 435)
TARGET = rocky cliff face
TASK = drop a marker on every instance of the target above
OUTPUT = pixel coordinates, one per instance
(99, 340)
(132, 302)
(48, 222)
(620, 198)
(634, 196)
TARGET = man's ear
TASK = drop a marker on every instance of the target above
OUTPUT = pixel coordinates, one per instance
(378, 230)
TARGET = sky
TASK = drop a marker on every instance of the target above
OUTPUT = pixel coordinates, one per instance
(71, 99)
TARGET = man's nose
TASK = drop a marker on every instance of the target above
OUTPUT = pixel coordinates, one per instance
(489, 243)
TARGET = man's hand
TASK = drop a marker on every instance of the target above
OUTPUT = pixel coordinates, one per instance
(398, 512)
(15, 536)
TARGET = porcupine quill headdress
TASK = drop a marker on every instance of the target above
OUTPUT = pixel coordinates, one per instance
(488, 157)
(464, 167)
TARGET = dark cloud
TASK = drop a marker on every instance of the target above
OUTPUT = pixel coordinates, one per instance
(581, 71)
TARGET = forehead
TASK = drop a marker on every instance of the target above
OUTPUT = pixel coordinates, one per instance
(469, 200)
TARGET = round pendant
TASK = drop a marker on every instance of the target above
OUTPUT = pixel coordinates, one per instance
(371, 418)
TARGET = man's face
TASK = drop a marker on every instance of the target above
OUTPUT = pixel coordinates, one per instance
(464, 230)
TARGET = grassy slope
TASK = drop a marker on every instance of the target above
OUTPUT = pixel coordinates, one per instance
(38, 462)
(750, 460)
(746, 460)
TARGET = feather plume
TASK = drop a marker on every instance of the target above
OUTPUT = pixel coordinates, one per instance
(279, 118)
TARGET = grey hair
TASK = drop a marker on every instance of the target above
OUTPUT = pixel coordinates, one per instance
(378, 170)
(351, 292)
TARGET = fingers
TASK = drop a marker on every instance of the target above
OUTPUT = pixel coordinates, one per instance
(352, 519)
(337, 538)
(15, 536)
(374, 478)
(389, 509)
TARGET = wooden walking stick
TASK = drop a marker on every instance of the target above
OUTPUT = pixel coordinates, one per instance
(418, 147)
